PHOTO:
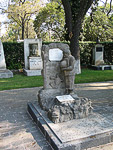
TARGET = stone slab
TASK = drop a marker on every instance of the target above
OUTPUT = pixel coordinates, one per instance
(95, 130)
(65, 98)
(35, 63)
(55, 54)
(32, 72)
(6, 74)
(102, 67)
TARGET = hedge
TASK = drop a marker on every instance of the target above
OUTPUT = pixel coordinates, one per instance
(14, 53)
(86, 51)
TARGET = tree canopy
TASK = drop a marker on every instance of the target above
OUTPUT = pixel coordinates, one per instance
(98, 24)
(21, 12)
(50, 20)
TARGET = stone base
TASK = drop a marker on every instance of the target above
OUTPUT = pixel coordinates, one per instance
(69, 109)
(80, 134)
(32, 72)
(6, 74)
(61, 107)
(102, 67)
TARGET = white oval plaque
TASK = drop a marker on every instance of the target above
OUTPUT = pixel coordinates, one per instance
(55, 54)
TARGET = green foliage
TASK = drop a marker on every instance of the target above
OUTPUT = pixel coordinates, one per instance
(86, 53)
(14, 55)
(98, 24)
(21, 12)
(49, 23)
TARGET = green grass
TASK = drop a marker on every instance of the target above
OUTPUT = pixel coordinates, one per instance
(21, 81)
(87, 76)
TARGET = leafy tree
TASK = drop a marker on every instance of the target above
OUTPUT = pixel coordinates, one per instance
(99, 24)
(21, 12)
(13, 33)
(50, 20)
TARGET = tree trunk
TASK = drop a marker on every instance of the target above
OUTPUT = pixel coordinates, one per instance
(27, 31)
(74, 15)
(74, 45)
(22, 29)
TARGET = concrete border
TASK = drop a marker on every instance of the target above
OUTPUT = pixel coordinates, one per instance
(57, 144)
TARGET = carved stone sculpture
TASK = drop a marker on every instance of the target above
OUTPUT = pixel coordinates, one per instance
(58, 96)
(68, 67)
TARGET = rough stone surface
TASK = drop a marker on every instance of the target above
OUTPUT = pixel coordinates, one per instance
(59, 76)
(69, 110)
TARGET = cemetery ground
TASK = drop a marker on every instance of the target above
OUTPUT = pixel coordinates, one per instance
(18, 131)
(21, 81)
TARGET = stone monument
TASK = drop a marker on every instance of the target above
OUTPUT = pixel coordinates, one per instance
(98, 55)
(4, 73)
(32, 57)
(58, 96)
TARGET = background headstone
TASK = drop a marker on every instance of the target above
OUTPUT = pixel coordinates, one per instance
(32, 57)
(98, 55)
(2, 57)
(4, 73)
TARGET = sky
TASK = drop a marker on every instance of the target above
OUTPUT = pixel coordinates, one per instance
(4, 4)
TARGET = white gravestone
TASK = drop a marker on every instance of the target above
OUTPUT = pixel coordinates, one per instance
(98, 55)
(4, 73)
(32, 57)
(2, 58)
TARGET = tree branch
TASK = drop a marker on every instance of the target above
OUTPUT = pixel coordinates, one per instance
(110, 8)
(68, 14)
(15, 20)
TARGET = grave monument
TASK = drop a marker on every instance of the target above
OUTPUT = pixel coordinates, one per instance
(4, 73)
(64, 118)
(58, 96)
(32, 57)
(98, 58)
(98, 55)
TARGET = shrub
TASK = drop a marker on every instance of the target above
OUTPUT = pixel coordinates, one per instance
(14, 55)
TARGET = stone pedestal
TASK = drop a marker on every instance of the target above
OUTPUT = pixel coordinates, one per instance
(76, 134)
(6, 74)
(35, 63)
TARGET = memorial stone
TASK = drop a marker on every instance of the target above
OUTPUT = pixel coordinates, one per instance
(58, 96)
(98, 55)
(4, 73)
(32, 57)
